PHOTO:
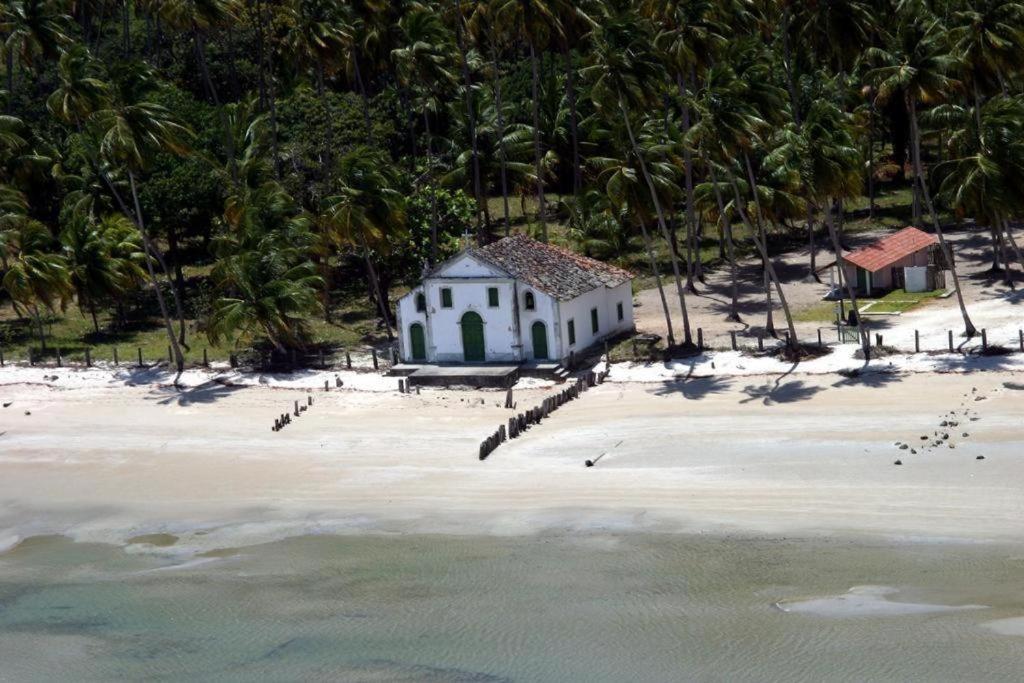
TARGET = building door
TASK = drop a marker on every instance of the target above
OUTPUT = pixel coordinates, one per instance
(417, 341)
(540, 340)
(472, 337)
(863, 285)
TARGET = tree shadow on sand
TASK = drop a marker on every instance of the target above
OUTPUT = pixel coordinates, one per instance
(778, 392)
(207, 393)
(694, 389)
(874, 379)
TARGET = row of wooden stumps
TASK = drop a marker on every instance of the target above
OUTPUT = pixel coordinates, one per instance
(285, 419)
(405, 387)
(520, 423)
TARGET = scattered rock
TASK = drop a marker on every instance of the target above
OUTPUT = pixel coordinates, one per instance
(904, 447)
(979, 398)
(913, 451)
(6, 405)
(28, 412)
(966, 435)
(980, 457)
(924, 438)
(943, 424)
(898, 462)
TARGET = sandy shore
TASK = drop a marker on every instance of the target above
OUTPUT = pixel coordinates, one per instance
(765, 455)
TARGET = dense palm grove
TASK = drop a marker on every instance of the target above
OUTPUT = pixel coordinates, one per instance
(301, 149)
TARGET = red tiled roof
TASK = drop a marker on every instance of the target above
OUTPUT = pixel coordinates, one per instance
(891, 249)
(559, 272)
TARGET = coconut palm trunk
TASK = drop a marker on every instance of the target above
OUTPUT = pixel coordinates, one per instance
(769, 268)
(538, 157)
(851, 291)
(687, 335)
(371, 274)
(179, 358)
(502, 155)
(691, 219)
(570, 92)
(726, 231)
(915, 133)
(657, 280)
(483, 226)
(433, 190)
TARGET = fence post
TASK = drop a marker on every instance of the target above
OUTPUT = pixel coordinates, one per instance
(115, 355)
(820, 342)
(1, 357)
(917, 341)
(878, 340)
(31, 357)
(1020, 336)
(700, 338)
(233, 360)
(732, 338)
(984, 340)
(348, 359)
(206, 359)
(88, 358)
(321, 358)
(140, 357)
(373, 352)
(760, 341)
(60, 359)
(950, 333)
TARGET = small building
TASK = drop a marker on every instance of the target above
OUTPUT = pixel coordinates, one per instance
(909, 259)
(516, 300)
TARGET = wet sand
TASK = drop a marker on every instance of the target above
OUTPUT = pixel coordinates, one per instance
(804, 455)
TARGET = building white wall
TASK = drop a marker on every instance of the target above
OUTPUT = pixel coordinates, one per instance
(507, 328)
(545, 311)
(604, 300)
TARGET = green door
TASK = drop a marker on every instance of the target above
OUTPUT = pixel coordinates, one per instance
(419, 344)
(540, 340)
(472, 337)
(862, 281)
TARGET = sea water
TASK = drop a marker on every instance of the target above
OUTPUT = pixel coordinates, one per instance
(595, 607)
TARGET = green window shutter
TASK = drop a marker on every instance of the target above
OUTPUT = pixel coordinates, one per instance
(593, 320)
(572, 332)
(492, 297)
(618, 309)
(446, 298)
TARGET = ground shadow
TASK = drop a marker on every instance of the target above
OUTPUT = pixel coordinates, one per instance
(694, 389)
(778, 392)
(207, 393)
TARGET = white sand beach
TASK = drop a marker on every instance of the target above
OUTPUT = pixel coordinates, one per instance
(797, 454)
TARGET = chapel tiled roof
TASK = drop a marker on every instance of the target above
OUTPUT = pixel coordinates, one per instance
(558, 272)
(891, 249)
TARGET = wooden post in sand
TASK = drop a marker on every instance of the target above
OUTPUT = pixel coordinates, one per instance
(950, 341)
(732, 338)
(1, 358)
(373, 352)
(170, 356)
(984, 340)
(760, 341)
(700, 338)
(60, 360)
(820, 343)
(348, 359)
(206, 359)
(115, 355)
(327, 387)
(88, 358)
(917, 341)
(296, 409)
(1020, 336)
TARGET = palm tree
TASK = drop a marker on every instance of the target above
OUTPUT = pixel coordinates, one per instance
(32, 29)
(424, 65)
(37, 274)
(919, 70)
(82, 89)
(131, 130)
(989, 43)
(534, 22)
(629, 198)
(264, 271)
(624, 66)
(103, 260)
(367, 212)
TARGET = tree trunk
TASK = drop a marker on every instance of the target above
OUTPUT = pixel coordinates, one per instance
(691, 221)
(772, 276)
(726, 227)
(39, 326)
(95, 320)
(483, 227)
(787, 58)
(769, 324)
(229, 139)
(538, 158)
(969, 329)
(657, 280)
(811, 246)
(570, 91)
(687, 335)
(503, 157)
(851, 292)
(179, 359)
(433, 190)
(364, 95)
(375, 284)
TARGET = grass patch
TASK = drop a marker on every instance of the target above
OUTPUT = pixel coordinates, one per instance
(898, 301)
(821, 312)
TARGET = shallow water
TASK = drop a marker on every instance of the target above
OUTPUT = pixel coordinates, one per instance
(637, 607)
